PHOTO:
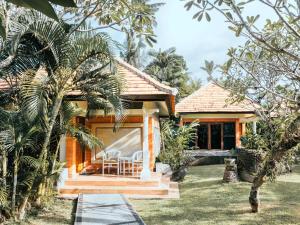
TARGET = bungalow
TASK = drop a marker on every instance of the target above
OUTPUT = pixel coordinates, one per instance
(146, 101)
(221, 123)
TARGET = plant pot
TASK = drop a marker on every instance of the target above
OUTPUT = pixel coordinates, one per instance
(179, 174)
(163, 168)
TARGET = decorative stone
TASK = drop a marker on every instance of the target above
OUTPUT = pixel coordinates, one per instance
(230, 173)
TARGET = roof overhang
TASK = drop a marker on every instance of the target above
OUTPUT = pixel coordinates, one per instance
(246, 116)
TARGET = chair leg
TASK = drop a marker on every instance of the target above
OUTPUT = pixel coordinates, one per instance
(132, 168)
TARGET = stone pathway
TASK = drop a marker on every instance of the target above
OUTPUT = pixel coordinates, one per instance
(105, 209)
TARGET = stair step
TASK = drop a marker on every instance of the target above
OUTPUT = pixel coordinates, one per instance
(113, 190)
(173, 185)
(103, 183)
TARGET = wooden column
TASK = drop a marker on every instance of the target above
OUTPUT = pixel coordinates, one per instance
(222, 136)
(243, 129)
(71, 156)
(150, 140)
(237, 134)
(209, 135)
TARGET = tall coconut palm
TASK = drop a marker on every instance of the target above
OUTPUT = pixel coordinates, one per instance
(132, 49)
(168, 67)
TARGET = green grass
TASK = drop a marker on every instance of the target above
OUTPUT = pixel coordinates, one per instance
(206, 200)
(56, 212)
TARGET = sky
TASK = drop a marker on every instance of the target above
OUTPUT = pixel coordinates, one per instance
(199, 41)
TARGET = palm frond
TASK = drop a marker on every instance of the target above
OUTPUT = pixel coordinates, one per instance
(34, 94)
(30, 161)
(3, 196)
(84, 136)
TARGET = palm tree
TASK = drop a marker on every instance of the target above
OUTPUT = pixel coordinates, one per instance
(132, 49)
(168, 67)
(48, 64)
(15, 137)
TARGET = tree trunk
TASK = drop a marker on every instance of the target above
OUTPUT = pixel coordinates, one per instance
(258, 181)
(4, 168)
(15, 181)
(43, 154)
(254, 197)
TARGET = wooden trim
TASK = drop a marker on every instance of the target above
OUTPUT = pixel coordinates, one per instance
(209, 120)
(222, 136)
(111, 119)
(219, 112)
(209, 136)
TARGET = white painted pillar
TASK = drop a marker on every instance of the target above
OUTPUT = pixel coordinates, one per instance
(254, 127)
(146, 173)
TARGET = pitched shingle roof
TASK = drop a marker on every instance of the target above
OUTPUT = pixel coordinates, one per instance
(140, 83)
(136, 83)
(212, 99)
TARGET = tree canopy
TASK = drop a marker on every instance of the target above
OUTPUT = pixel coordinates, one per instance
(170, 68)
(265, 69)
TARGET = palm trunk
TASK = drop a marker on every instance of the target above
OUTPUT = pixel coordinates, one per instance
(15, 181)
(4, 168)
(55, 154)
(43, 154)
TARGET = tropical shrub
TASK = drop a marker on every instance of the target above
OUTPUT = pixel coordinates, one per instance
(175, 142)
(46, 63)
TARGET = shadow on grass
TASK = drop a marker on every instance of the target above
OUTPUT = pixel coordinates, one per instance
(74, 208)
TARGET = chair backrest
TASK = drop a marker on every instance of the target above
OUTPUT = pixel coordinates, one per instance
(137, 156)
(112, 154)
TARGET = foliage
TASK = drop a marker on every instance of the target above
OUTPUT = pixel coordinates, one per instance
(171, 69)
(132, 50)
(175, 141)
(264, 69)
(122, 16)
(42, 63)
(44, 6)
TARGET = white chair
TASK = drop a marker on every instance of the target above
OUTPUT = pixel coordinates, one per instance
(111, 160)
(137, 161)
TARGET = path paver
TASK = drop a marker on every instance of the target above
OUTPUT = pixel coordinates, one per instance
(105, 209)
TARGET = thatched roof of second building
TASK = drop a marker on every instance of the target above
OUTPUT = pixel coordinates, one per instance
(213, 98)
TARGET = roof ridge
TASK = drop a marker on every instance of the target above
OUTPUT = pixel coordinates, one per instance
(212, 97)
(194, 93)
(147, 77)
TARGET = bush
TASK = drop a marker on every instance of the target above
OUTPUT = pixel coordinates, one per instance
(175, 141)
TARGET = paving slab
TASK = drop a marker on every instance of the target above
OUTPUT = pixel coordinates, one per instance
(105, 209)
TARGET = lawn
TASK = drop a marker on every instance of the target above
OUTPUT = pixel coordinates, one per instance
(56, 212)
(206, 200)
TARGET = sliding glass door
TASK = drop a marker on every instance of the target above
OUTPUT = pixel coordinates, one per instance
(216, 136)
